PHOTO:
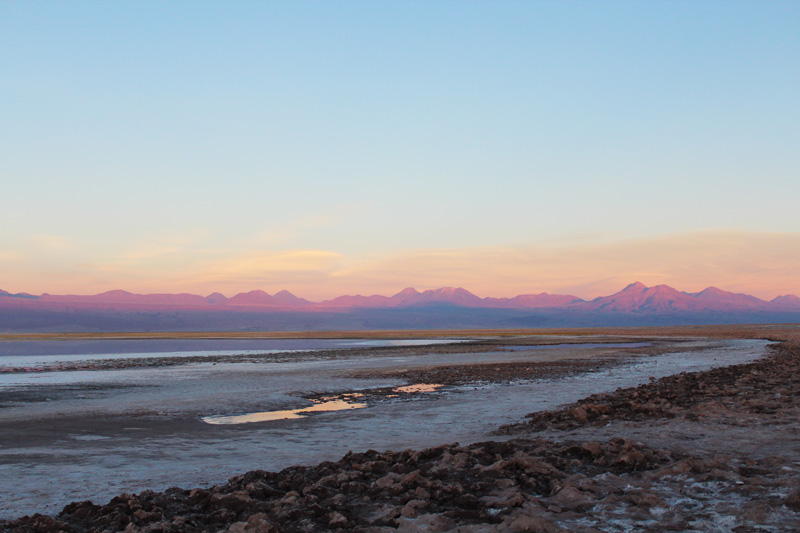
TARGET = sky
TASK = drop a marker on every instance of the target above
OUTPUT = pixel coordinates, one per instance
(333, 148)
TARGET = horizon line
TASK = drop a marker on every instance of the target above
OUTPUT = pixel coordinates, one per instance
(23, 293)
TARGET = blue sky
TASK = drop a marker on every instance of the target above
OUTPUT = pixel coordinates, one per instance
(141, 143)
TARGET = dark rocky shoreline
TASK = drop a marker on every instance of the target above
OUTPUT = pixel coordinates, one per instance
(767, 388)
(566, 481)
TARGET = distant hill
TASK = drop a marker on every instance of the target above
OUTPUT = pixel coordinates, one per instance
(453, 307)
(637, 298)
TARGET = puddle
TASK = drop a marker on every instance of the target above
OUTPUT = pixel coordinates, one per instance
(419, 387)
(576, 346)
(89, 437)
(346, 397)
(338, 402)
(266, 416)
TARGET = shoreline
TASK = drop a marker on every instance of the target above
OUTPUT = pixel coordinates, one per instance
(292, 355)
(725, 331)
(535, 506)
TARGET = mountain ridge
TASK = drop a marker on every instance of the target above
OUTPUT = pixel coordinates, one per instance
(634, 298)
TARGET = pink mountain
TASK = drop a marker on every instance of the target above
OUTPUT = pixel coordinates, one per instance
(789, 301)
(409, 297)
(252, 298)
(635, 298)
(638, 297)
(449, 295)
(533, 301)
(717, 299)
(260, 298)
(376, 300)
(127, 298)
(18, 295)
(216, 298)
(288, 299)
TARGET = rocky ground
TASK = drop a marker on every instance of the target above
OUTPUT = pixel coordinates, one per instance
(710, 451)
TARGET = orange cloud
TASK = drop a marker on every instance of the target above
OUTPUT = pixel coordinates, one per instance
(763, 264)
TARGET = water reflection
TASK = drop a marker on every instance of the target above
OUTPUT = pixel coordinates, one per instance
(419, 387)
(266, 416)
(338, 402)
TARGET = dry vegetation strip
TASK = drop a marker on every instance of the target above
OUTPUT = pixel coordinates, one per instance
(776, 332)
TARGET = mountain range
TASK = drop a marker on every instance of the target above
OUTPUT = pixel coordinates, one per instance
(635, 298)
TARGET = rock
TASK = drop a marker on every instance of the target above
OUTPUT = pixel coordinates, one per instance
(386, 481)
(430, 523)
(593, 448)
(572, 499)
(631, 459)
(143, 516)
(412, 479)
(199, 496)
(792, 501)
(645, 499)
(522, 522)
(420, 493)
(509, 498)
(498, 466)
(409, 512)
(339, 500)
(80, 510)
(529, 465)
(579, 414)
(337, 519)
(238, 527)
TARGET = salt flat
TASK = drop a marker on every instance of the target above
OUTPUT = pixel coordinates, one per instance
(92, 434)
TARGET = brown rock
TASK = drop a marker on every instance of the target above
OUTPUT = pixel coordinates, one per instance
(499, 500)
(498, 466)
(792, 501)
(143, 516)
(532, 466)
(412, 479)
(579, 414)
(572, 499)
(409, 512)
(337, 501)
(596, 408)
(420, 493)
(337, 519)
(644, 499)
(522, 522)
(432, 523)
(238, 527)
(386, 481)
(594, 448)
(262, 524)
(629, 459)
